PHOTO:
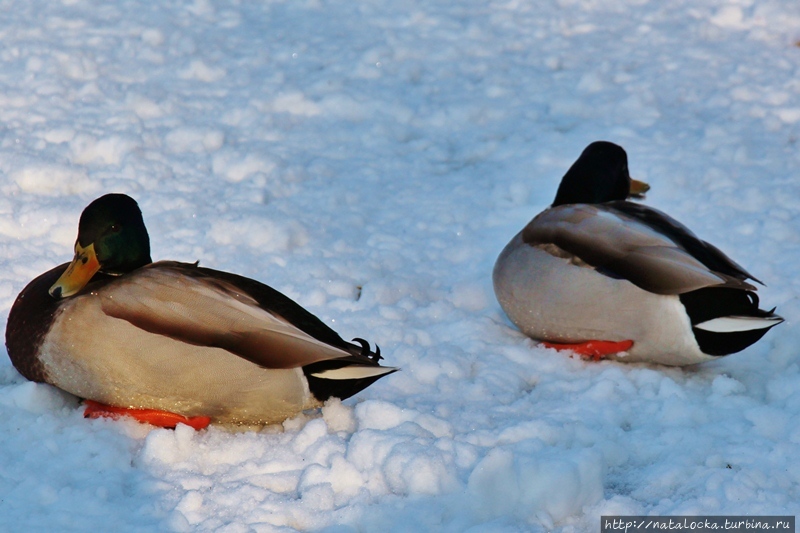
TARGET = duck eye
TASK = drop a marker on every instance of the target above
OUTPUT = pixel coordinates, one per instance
(115, 228)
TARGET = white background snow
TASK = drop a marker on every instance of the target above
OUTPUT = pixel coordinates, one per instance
(389, 150)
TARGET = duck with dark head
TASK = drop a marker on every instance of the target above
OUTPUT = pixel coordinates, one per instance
(171, 342)
(606, 277)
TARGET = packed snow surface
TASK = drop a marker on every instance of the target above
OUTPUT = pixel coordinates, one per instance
(370, 159)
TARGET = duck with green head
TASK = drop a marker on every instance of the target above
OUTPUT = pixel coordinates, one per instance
(606, 277)
(170, 341)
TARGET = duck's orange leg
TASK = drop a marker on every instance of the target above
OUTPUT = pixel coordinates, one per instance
(163, 419)
(594, 350)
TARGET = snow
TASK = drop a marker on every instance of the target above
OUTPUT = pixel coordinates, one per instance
(370, 160)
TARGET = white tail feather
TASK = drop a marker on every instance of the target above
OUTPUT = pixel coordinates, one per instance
(354, 372)
(730, 324)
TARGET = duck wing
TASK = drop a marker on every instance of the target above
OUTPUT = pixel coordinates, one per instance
(626, 247)
(703, 251)
(206, 307)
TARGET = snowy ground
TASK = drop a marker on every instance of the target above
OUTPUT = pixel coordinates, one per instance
(391, 149)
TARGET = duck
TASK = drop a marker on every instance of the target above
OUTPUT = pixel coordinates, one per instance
(169, 342)
(606, 277)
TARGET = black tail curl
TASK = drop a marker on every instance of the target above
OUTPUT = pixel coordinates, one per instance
(366, 351)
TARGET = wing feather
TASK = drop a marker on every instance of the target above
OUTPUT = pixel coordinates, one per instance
(625, 247)
(163, 300)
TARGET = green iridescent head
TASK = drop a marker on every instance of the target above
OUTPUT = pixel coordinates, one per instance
(112, 239)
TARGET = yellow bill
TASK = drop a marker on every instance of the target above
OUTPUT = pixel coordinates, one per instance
(638, 188)
(77, 274)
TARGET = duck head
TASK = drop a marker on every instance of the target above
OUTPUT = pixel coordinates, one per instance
(112, 239)
(599, 175)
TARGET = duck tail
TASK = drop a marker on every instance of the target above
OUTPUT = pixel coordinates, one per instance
(345, 376)
(726, 320)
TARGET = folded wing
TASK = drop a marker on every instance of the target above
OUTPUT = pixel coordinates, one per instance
(625, 246)
(193, 307)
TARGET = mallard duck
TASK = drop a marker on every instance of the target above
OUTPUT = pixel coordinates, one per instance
(606, 277)
(170, 341)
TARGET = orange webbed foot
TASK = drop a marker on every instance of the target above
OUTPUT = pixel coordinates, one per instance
(162, 419)
(594, 350)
